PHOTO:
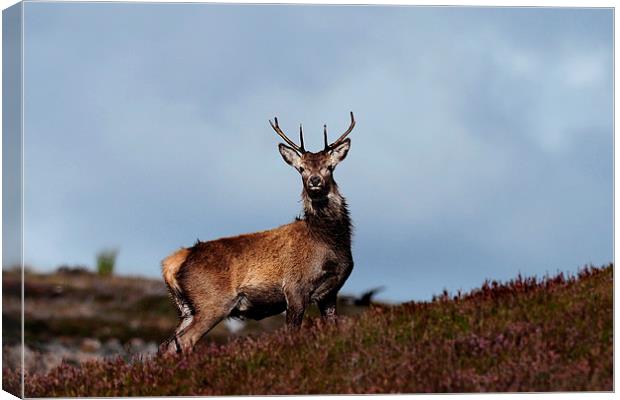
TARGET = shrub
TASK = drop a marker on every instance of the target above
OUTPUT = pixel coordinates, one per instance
(105, 262)
(526, 335)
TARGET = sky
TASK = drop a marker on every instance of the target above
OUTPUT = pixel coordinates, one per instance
(483, 144)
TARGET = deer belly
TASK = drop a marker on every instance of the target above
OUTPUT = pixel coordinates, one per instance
(259, 303)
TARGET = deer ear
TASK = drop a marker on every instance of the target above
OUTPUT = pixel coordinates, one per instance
(339, 152)
(290, 156)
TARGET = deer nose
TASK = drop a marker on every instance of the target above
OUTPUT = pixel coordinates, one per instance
(315, 180)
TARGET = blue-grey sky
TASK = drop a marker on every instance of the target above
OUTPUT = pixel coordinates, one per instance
(483, 146)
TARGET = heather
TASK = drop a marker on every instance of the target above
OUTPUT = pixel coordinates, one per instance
(77, 315)
(550, 334)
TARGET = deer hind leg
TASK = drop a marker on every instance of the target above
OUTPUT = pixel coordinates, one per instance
(202, 322)
(186, 316)
(171, 266)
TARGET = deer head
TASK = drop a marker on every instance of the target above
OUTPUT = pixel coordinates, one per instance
(316, 169)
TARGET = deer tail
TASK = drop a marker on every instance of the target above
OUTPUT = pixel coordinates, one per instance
(170, 267)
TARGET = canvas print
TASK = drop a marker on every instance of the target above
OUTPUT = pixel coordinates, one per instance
(273, 199)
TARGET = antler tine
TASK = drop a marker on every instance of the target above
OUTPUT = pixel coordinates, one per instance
(325, 137)
(276, 128)
(344, 135)
(301, 139)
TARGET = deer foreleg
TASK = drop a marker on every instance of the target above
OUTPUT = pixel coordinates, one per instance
(296, 303)
(327, 307)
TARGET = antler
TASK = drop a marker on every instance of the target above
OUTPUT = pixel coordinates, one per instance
(341, 138)
(299, 149)
(325, 137)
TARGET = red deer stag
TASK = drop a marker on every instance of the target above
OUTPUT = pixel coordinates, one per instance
(265, 273)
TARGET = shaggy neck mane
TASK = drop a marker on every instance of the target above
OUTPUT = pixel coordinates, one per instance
(328, 217)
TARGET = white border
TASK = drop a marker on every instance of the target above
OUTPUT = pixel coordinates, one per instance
(476, 3)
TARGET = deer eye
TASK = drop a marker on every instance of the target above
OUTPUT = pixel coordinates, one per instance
(301, 169)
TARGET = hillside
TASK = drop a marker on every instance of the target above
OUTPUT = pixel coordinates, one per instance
(76, 315)
(554, 334)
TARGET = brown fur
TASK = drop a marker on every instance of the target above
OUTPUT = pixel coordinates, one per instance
(265, 273)
(171, 265)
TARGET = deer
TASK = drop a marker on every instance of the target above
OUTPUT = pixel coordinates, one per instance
(261, 274)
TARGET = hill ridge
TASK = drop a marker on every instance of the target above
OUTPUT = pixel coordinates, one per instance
(528, 334)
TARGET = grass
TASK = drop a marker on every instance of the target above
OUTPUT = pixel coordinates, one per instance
(552, 334)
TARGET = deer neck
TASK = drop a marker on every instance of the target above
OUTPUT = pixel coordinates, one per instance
(328, 218)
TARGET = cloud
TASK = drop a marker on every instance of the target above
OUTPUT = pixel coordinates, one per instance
(483, 143)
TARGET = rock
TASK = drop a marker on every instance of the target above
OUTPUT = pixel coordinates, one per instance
(150, 348)
(49, 361)
(58, 290)
(56, 347)
(12, 357)
(90, 345)
(29, 358)
(112, 347)
(135, 345)
(34, 361)
(81, 357)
